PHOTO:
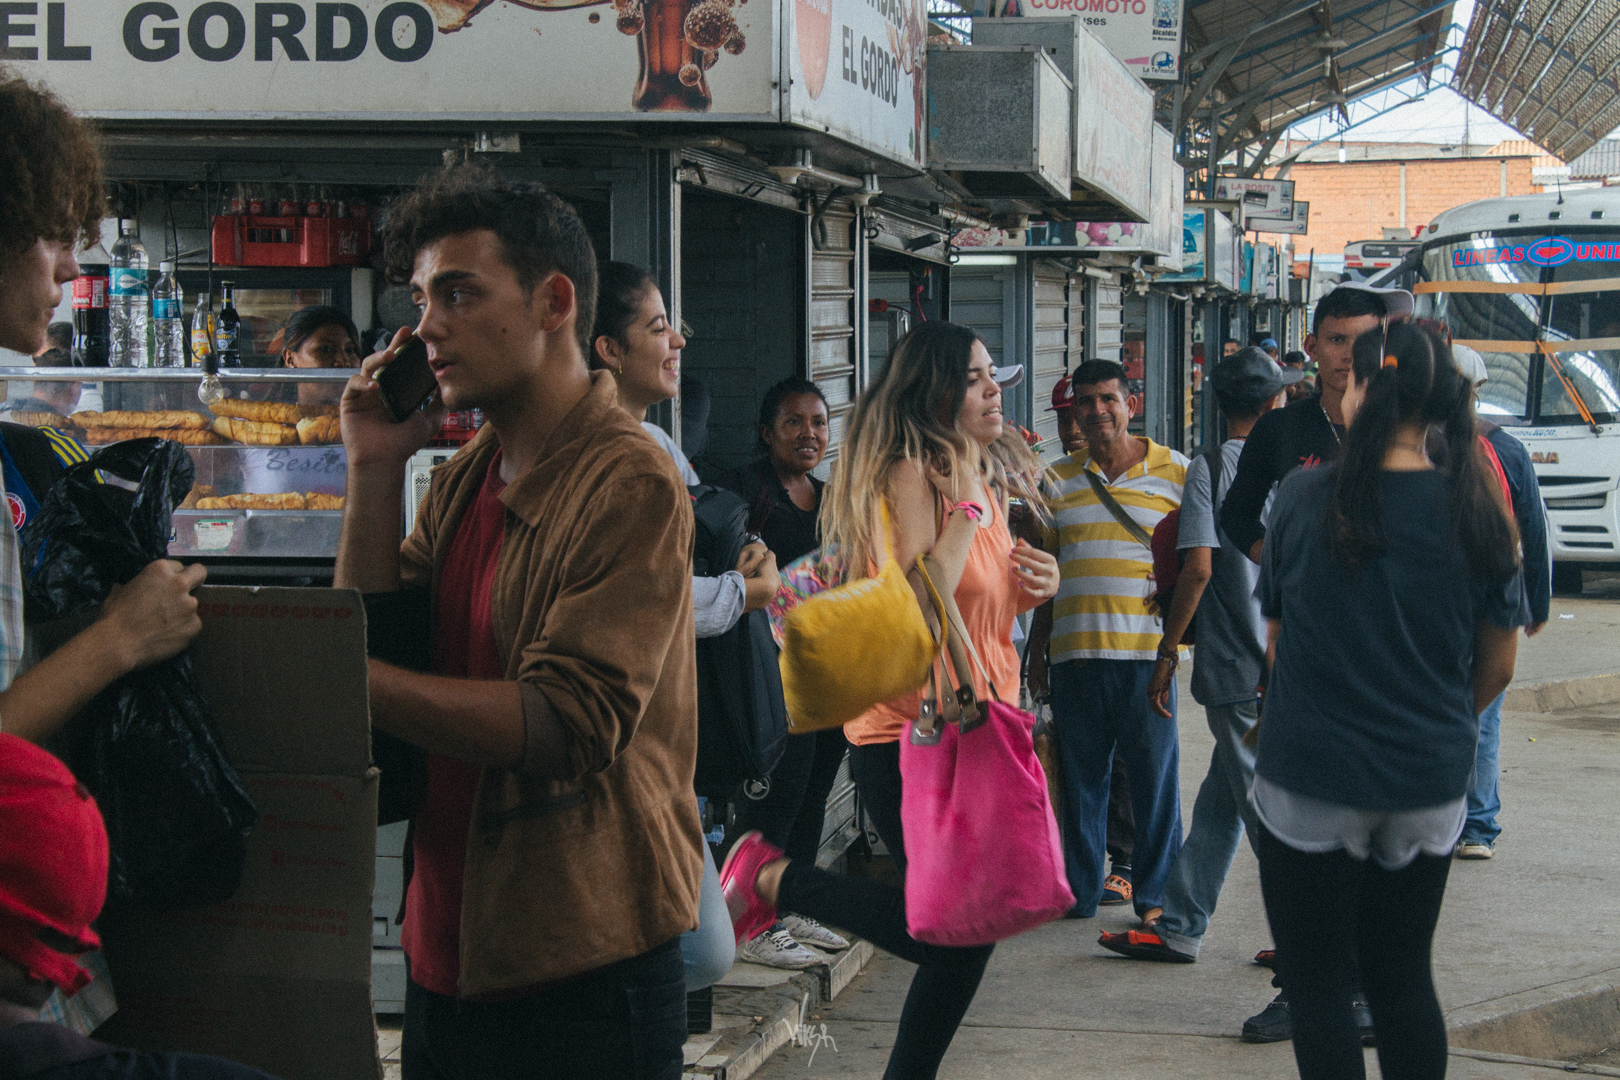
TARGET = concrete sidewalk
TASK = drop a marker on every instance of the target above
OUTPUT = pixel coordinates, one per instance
(1526, 957)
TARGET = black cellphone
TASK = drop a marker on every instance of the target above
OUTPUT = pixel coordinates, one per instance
(407, 382)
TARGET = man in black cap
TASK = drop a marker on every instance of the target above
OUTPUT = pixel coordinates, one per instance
(1217, 586)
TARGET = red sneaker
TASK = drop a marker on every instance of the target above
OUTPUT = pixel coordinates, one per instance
(750, 914)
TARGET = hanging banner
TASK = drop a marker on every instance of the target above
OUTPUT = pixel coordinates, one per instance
(1298, 223)
(1257, 197)
(1144, 34)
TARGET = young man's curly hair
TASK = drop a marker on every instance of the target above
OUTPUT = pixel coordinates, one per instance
(539, 233)
(50, 171)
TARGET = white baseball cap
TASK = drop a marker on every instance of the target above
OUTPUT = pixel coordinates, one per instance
(1470, 363)
(1011, 375)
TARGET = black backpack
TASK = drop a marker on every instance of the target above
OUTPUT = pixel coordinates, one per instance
(742, 719)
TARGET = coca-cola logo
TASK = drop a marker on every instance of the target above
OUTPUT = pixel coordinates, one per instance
(813, 23)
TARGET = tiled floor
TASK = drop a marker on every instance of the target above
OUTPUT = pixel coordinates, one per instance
(388, 1035)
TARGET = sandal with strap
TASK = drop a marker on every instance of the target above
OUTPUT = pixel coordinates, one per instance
(1116, 890)
(1143, 945)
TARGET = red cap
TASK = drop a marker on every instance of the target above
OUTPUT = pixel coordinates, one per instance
(1062, 394)
(53, 864)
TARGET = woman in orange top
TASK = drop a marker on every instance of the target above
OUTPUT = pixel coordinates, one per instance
(917, 439)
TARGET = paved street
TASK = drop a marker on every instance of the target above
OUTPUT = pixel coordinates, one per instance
(1543, 913)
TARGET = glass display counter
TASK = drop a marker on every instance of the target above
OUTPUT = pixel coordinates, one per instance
(269, 458)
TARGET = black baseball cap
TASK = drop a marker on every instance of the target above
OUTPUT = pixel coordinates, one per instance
(1251, 376)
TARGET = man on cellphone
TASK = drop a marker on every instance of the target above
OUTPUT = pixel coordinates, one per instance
(556, 852)
(51, 152)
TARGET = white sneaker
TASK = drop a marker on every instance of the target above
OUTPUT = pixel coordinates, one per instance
(1475, 849)
(776, 948)
(805, 929)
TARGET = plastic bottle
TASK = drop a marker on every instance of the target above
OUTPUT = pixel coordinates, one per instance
(168, 320)
(227, 329)
(91, 325)
(128, 299)
(202, 329)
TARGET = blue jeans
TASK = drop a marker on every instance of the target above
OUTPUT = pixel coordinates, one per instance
(1098, 706)
(1220, 816)
(1484, 800)
(708, 951)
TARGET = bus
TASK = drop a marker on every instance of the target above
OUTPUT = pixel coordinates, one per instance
(1533, 283)
(1366, 259)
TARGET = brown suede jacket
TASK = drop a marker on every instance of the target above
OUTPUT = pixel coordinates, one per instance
(588, 851)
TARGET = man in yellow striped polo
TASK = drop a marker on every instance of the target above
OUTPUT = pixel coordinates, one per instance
(1106, 637)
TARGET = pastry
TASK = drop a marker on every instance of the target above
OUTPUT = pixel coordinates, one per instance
(99, 436)
(319, 429)
(163, 418)
(256, 432)
(317, 501)
(36, 419)
(307, 411)
(287, 500)
(198, 491)
(274, 412)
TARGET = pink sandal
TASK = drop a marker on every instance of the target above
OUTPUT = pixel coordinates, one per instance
(750, 914)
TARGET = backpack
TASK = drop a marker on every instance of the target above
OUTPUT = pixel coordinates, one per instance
(742, 719)
(1167, 557)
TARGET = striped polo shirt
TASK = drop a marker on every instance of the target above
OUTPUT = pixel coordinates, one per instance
(1102, 606)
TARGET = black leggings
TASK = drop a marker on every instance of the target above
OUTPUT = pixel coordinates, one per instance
(946, 978)
(794, 809)
(1327, 911)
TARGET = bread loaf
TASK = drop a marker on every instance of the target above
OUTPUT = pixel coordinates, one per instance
(100, 436)
(273, 412)
(36, 419)
(255, 432)
(288, 500)
(319, 429)
(317, 501)
(163, 418)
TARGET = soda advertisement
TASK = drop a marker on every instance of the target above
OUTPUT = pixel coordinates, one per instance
(1145, 34)
(857, 70)
(402, 59)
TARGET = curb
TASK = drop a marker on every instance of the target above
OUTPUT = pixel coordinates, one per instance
(1564, 1020)
(775, 1015)
(1564, 694)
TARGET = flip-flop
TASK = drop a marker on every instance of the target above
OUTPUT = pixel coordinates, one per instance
(1143, 945)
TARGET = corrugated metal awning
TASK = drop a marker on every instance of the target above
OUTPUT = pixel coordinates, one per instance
(1550, 68)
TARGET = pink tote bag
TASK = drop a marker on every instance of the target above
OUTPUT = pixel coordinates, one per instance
(985, 861)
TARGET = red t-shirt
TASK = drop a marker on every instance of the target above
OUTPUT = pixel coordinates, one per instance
(463, 648)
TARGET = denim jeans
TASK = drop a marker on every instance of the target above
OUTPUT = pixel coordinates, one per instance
(1099, 706)
(709, 951)
(1484, 798)
(1219, 818)
(625, 1021)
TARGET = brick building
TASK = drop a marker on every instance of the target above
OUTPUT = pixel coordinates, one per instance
(1400, 185)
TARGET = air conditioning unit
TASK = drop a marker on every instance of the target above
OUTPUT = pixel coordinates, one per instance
(418, 473)
(999, 120)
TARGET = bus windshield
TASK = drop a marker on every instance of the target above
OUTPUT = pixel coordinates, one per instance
(1545, 318)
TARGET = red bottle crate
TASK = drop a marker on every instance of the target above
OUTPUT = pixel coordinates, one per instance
(259, 240)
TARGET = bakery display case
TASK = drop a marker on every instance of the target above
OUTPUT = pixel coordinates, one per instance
(267, 499)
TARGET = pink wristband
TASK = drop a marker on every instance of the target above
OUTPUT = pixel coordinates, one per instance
(972, 509)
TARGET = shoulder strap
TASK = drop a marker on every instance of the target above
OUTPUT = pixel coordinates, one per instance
(1112, 506)
(1214, 460)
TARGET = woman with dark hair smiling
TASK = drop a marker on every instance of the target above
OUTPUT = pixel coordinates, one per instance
(1391, 589)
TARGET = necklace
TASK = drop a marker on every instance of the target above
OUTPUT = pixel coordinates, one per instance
(1333, 430)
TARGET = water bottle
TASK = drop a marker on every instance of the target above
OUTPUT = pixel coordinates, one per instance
(128, 299)
(168, 320)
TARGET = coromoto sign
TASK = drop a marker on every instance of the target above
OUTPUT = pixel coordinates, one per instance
(402, 59)
(1145, 34)
(856, 71)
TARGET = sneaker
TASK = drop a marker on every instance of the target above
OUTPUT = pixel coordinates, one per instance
(1143, 945)
(776, 948)
(750, 914)
(805, 929)
(1274, 1023)
(1116, 890)
(1475, 849)
(1361, 1013)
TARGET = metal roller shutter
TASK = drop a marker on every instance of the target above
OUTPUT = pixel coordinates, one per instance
(830, 354)
(1049, 356)
(1107, 322)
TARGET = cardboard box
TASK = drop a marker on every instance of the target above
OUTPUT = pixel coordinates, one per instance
(279, 976)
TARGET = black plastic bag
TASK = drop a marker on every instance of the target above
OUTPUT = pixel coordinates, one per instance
(177, 815)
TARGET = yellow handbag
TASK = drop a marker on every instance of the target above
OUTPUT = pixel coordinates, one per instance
(847, 649)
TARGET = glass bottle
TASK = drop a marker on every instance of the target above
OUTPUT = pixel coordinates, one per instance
(664, 51)
(228, 329)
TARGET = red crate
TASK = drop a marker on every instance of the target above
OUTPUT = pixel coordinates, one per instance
(260, 240)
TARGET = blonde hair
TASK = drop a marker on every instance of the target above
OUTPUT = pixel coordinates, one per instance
(1020, 469)
(907, 415)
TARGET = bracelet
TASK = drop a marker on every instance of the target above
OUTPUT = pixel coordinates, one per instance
(1174, 655)
(972, 509)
